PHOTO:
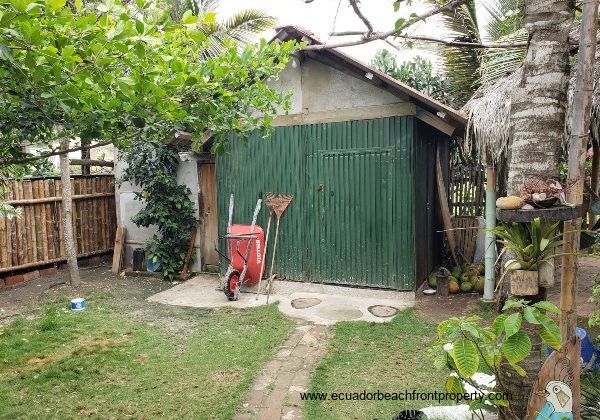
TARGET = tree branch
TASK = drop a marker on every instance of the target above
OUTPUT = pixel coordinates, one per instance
(451, 5)
(358, 12)
(53, 153)
(441, 41)
(56, 152)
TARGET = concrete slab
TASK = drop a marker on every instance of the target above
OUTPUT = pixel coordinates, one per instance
(331, 304)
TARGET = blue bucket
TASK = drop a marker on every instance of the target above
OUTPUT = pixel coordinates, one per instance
(78, 304)
(588, 352)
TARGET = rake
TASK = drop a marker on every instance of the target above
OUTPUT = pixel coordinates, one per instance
(277, 203)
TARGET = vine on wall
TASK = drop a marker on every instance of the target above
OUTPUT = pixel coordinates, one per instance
(153, 167)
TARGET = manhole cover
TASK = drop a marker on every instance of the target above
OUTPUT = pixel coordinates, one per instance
(383, 311)
(303, 303)
(340, 314)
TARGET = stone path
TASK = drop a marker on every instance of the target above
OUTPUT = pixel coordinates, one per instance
(275, 393)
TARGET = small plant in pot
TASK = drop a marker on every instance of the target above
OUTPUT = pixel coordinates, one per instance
(533, 245)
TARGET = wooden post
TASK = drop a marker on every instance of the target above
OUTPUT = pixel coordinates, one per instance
(490, 223)
(119, 248)
(578, 141)
(576, 171)
(595, 176)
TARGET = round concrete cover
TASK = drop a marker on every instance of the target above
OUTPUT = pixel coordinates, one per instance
(303, 303)
(383, 311)
(347, 313)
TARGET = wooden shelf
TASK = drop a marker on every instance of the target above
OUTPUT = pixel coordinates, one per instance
(552, 214)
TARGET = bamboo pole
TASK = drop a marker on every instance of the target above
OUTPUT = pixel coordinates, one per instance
(48, 220)
(578, 141)
(490, 239)
(16, 203)
(14, 246)
(595, 176)
(53, 261)
(31, 242)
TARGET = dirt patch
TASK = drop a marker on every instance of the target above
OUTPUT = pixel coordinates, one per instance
(40, 362)
(127, 296)
(437, 309)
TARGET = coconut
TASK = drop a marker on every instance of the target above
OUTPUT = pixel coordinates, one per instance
(510, 203)
(466, 287)
(479, 284)
(453, 287)
(432, 280)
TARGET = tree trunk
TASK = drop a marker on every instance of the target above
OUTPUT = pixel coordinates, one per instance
(67, 210)
(539, 102)
(537, 122)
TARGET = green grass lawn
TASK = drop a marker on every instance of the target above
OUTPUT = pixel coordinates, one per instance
(388, 357)
(105, 364)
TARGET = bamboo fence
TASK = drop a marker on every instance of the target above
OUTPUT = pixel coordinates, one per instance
(467, 190)
(36, 238)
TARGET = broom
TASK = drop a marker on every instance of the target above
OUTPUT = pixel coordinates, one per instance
(277, 203)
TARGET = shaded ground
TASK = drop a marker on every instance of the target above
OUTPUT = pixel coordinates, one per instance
(437, 309)
(24, 297)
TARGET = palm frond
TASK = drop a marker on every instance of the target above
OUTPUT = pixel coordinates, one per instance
(460, 64)
(244, 25)
(496, 63)
(505, 17)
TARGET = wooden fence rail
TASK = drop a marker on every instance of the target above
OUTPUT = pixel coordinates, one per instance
(36, 238)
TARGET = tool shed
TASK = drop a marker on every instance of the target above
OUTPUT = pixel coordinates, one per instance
(358, 150)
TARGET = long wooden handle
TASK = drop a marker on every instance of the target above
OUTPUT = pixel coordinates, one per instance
(188, 257)
(441, 189)
(273, 260)
(264, 259)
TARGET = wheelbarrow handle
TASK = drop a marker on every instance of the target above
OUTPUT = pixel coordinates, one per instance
(222, 255)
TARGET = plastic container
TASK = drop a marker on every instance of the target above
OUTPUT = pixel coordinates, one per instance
(588, 351)
(138, 259)
(78, 304)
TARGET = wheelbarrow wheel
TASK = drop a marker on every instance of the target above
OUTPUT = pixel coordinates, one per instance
(232, 286)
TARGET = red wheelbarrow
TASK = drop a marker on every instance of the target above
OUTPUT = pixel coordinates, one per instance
(245, 249)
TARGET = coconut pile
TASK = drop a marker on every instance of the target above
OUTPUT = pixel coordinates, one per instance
(467, 278)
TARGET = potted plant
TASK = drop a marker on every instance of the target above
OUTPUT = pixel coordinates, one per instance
(532, 245)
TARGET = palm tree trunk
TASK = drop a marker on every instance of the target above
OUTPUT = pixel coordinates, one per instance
(67, 210)
(537, 120)
(539, 103)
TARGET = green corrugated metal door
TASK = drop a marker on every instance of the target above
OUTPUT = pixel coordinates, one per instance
(360, 196)
(351, 221)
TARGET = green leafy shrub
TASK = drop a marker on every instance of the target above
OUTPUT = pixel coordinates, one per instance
(468, 348)
(153, 167)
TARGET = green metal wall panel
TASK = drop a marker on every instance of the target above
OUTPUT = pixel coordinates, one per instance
(352, 219)
(261, 166)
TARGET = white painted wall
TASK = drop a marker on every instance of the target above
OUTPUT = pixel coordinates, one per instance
(128, 206)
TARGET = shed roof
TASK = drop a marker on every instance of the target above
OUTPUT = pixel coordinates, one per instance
(351, 65)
